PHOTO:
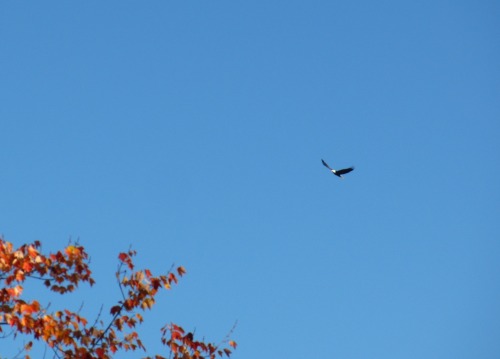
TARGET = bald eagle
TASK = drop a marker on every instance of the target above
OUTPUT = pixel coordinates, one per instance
(337, 173)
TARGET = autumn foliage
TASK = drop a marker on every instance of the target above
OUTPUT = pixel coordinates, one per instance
(71, 336)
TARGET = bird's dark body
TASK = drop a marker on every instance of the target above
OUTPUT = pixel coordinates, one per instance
(344, 171)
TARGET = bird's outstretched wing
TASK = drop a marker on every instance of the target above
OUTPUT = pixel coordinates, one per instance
(326, 165)
(344, 171)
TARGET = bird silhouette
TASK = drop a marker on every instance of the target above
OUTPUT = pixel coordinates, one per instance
(338, 173)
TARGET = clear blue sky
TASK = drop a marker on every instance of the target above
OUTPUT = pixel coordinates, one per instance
(193, 132)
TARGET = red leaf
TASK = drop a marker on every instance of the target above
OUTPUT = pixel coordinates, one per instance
(116, 309)
(100, 352)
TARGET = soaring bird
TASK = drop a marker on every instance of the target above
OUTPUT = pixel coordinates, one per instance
(337, 173)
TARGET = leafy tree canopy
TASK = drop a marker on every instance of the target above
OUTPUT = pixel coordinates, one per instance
(70, 335)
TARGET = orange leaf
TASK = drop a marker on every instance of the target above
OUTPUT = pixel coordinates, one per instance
(176, 335)
(72, 251)
(30, 309)
(27, 267)
(181, 271)
(20, 275)
(125, 258)
(32, 252)
(15, 292)
(172, 278)
(175, 327)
